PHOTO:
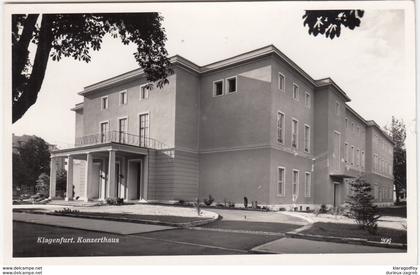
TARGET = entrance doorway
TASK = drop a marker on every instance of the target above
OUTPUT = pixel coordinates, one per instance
(135, 180)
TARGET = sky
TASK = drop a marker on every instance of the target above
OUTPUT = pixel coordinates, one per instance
(368, 63)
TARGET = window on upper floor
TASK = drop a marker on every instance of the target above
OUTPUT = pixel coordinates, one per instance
(358, 130)
(281, 82)
(123, 97)
(352, 155)
(281, 181)
(295, 92)
(307, 100)
(144, 92)
(358, 157)
(231, 84)
(346, 152)
(352, 127)
(104, 102)
(346, 122)
(294, 133)
(218, 88)
(280, 127)
(337, 108)
(307, 138)
(363, 159)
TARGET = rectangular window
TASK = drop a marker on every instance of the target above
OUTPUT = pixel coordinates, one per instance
(307, 184)
(358, 157)
(352, 127)
(346, 152)
(123, 97)
(122, 130)
(307, 138)
(352, 155)
(295, 92)
(337, 108)
(363, 159)
(104, 126)
(144, 130)
(307, 100)
(144, 92)
(218, 88)
(231, 84)
(294, 133)
(336, 152)
(295, 182)
(346, 122)
(375, 162)
(104, 103)
(358, 130)
(281, 181)
(281, 82)
(280, 127)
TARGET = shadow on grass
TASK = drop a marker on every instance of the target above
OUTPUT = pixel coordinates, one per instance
(353, 231)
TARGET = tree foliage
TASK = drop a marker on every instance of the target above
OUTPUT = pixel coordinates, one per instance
(61, 181)
(361, 207)
(43, 184)
(74, 35)
(330, 22)
(32, 159)
(397, 131)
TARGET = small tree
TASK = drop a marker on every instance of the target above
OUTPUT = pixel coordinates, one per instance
(361, 205)
(43, 184)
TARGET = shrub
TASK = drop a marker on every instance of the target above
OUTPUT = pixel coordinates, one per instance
(114, 201)
(231, 204)
(220, 205)
(361, 207)
(245, 202)
(323, 209)
(67, 211)
(282, 209)
(208, 201)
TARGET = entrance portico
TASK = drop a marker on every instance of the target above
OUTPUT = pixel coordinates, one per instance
(102, 171)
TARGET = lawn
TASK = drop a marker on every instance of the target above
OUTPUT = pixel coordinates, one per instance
(393, 211)
(133, 217)
(353, 231)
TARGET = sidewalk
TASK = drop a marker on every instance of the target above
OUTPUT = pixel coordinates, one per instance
(301, 246)
(123, 228)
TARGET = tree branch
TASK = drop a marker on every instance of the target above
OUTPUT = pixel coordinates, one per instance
(30, 91)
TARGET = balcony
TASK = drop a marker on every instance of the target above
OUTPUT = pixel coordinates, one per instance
(121, 138)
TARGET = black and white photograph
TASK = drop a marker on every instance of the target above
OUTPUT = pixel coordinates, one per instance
(266, 129)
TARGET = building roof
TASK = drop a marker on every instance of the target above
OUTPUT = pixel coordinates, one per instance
(231, 61)
(372, 123)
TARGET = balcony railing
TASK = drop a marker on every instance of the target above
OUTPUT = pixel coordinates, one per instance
(121, 138)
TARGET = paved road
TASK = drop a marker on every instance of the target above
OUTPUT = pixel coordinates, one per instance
(232, 235)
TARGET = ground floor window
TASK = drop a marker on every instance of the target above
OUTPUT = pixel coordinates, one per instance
(280, 183)
(295, 182)
(307, 184)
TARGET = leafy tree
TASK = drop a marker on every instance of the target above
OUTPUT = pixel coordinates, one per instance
(19, 176)
(43, 184)
(361, 207)
(398, 133)
(61, 181)
(35, 160)
(329, 22)
(74, 35)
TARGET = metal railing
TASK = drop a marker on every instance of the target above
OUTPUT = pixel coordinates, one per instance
(121, 138)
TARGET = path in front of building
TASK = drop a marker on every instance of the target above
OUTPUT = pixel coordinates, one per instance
(233, 235)
(123, 228)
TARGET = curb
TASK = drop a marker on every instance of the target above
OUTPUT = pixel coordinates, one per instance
(357, 241)
(123, 219)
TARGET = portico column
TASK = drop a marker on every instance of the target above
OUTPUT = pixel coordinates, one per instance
(69, 187)
(53, 177)
(88, 177)
(111, 175)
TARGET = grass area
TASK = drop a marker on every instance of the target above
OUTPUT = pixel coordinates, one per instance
(136, 217)
(400, 211)
(353, 231)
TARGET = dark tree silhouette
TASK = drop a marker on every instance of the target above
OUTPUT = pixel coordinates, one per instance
(329, 22)
(398, 133)
(74, 35)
